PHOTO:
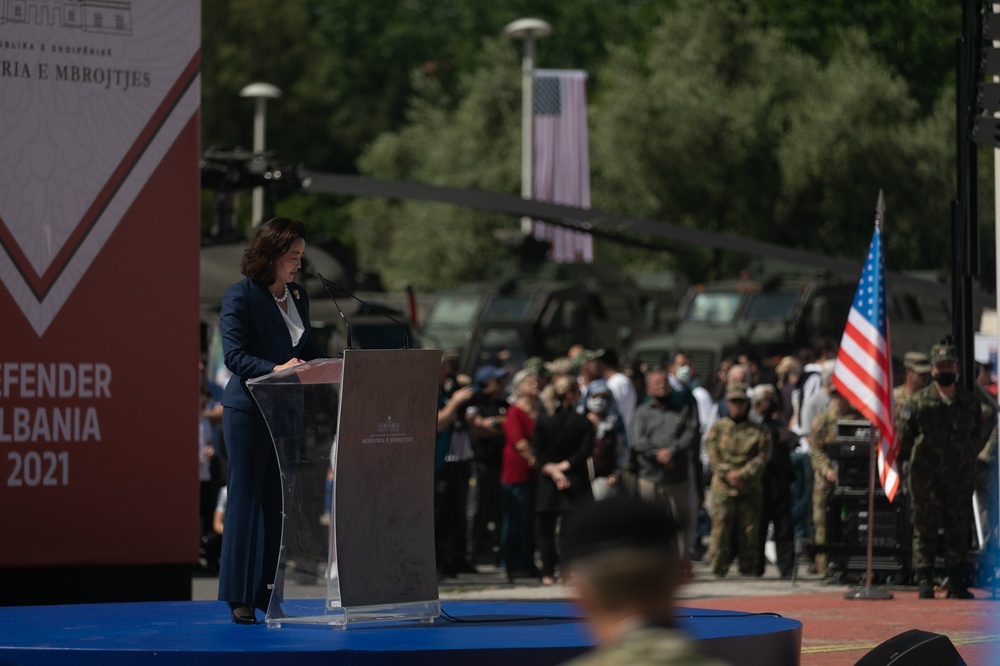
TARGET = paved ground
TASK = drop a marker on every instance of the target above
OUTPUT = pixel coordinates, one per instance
(836, 631)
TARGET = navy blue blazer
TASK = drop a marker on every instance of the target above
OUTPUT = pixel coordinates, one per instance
(255, 337)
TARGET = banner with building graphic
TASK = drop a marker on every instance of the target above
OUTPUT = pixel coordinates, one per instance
(98, 281)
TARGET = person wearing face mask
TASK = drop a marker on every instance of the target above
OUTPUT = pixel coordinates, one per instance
(738, 450)
(683, 379)
(610, 454)
(942, 428)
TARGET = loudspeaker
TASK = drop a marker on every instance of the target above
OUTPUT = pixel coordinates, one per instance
(914, 648)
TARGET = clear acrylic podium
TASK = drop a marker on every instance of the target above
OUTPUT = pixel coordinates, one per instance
(355, 444)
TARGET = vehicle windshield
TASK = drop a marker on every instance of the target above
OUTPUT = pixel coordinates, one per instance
(507, 308)
(502, 347)
(454, 309)
(714, 307)
(773, 306)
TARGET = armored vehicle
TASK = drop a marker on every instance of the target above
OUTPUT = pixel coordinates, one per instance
(785, 312)
(541, 311)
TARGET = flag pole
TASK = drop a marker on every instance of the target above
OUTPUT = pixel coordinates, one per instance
(869, 592)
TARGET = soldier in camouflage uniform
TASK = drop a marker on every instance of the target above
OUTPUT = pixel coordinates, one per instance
(917, 369)
(824, 432)
(942, 429)
(625, 563)
(737, 452)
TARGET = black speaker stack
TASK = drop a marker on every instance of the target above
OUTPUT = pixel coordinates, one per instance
(847, 513)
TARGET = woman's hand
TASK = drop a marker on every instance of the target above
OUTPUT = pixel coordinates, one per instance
(553, 471)
(287, 364)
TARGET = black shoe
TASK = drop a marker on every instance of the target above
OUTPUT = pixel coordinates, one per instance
(243, 613)
(926, 589)
(957, 587)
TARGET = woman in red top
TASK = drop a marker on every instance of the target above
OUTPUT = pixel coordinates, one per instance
(517, 477)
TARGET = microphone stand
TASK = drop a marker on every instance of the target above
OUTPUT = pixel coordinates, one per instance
(326, 285)
(330, 286)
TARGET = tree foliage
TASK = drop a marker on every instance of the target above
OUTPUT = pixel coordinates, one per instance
(475, 146)
(765, 118)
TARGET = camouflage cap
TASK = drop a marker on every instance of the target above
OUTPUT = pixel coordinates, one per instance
(559, 366)
(944, 352)
(585, 356)
(535, 364)
(737, 392)
(918, 362)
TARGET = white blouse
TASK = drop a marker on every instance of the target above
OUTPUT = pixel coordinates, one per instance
(292, 319)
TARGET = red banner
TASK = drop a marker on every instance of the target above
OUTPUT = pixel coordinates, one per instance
(99, 241)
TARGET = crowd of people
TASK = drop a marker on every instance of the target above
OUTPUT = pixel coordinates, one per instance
(737, 464)
(732, 463)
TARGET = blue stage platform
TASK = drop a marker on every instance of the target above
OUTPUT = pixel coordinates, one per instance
(189, 633)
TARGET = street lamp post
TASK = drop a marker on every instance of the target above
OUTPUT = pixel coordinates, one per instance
(528, 30)
(261, 92)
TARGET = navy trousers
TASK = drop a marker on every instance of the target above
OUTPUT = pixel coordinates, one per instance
(251, 539)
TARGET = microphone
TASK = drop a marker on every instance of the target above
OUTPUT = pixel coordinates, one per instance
(326, 285)
(330, 286)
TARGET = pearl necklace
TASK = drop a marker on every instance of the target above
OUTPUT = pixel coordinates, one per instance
(283, 298)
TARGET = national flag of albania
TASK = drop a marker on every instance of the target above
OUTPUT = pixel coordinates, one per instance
(99, 241)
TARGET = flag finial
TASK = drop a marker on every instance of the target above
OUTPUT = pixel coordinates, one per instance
(879, 208)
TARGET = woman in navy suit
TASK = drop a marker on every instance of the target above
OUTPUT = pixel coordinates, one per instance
(265, 328)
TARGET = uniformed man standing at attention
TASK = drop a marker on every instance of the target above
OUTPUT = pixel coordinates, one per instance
(942, 429)
(917, 369)
(738, 450)
(824, 433)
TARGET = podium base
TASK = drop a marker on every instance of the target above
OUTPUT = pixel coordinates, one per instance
(303, 612)
(871, 593)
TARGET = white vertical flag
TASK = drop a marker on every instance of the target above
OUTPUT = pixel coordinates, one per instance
(561, 163)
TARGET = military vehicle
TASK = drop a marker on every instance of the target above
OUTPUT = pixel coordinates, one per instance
(781, 313)
(541, 310)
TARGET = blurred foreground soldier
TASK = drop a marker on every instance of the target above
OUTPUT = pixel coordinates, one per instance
(942, 429)
(625, 564)
(737, 451)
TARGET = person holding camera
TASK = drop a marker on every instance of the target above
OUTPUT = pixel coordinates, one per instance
(485, 417)
(452, 471)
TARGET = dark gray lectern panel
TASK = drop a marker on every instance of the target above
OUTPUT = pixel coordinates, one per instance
(375, 561)
(384, 491)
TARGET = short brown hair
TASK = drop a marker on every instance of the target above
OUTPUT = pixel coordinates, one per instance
(271, 240)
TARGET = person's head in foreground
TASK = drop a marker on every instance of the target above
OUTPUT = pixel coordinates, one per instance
(625, 565)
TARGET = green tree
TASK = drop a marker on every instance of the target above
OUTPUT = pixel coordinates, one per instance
(729, 129)
(475, 145)
(270, 41)
(914, 37)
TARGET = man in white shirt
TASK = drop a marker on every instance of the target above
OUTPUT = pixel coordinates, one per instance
(620, 385)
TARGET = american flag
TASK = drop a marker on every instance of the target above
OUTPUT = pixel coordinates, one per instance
(561, 164)
(863, 373)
